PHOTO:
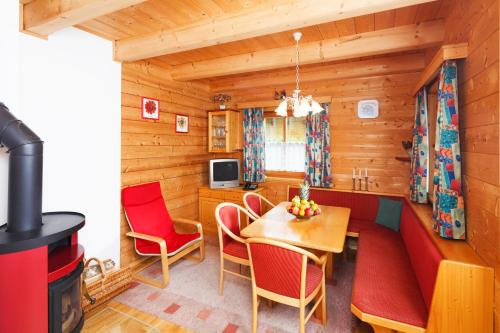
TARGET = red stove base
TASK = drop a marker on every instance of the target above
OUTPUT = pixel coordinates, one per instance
(24, 280)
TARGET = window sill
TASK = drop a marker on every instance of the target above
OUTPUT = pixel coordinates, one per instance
(285, 174)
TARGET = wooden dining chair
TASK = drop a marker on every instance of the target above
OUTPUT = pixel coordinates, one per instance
(153, 230)
(253, 203)
(231, 246)
(281, 273)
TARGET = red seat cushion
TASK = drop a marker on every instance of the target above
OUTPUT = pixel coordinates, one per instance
(175, 242)
(384, 282)
(356, 226)
(236, 249)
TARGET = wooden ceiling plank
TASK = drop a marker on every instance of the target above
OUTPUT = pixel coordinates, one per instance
(45, 17)
(397, 39)
(249, 24)
(348, 70)
(365, 23)
(405, 15)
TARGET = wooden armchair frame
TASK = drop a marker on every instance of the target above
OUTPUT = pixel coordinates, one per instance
(165, 258)
(261, 198)
(319, 293)
(224, 256)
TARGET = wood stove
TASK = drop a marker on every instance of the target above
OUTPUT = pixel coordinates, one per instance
(40, 258)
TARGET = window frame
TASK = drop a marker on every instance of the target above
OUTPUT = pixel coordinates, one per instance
(282, 173)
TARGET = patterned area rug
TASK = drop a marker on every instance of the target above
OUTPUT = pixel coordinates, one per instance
(192, 300)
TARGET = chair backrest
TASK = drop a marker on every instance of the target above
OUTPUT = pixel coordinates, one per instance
(228, 222)
(278, 267)
(146, 212)
(253, 204)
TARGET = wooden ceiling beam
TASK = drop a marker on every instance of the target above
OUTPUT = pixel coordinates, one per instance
(404, 38)
(275, 16)
(348, 70)
(44, 17)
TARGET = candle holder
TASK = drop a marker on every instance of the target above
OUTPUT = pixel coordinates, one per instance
(366, 183)
(359, 187)
(354, 184)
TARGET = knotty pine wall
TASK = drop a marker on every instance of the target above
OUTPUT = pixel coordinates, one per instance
(370, 143)
(478, 91)
(152, 151)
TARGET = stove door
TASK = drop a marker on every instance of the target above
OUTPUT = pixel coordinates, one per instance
(65, 310)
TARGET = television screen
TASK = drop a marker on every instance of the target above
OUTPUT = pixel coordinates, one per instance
(225, 171)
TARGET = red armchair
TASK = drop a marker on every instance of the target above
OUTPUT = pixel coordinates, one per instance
(153, 230)
(281, 273)
(231, 246)
(253, 203)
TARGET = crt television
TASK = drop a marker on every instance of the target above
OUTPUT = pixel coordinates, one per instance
(224, 173)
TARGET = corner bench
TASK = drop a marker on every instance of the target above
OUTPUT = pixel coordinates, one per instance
(412, 280)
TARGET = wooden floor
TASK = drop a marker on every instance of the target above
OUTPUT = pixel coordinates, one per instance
(119, 318)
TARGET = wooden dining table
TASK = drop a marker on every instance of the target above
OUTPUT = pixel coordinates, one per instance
(324, 233)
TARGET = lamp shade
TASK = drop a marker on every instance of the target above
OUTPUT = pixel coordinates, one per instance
(281, 110)
(316, 107)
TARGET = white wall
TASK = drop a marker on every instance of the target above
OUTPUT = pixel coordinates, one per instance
(69, 94)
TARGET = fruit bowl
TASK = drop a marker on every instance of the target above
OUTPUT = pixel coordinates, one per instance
(303, 209)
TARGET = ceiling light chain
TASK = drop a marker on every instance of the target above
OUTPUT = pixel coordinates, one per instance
(301, 105)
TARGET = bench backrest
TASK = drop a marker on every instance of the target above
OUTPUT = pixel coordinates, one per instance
(424, 255)
(363, 206)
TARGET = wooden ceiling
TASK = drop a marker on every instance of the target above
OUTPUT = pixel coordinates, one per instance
(202, 39)
(155, 15)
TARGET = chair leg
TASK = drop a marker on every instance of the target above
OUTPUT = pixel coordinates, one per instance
(323, 302)
(302, 315)
(255, 306)
(165, 272)
(202, 250)
(221, 282)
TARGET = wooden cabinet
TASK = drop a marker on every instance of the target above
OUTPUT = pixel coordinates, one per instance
(225, 131)
(210, 198)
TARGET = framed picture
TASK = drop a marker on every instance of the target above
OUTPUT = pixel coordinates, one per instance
(150, 108)
(181, 123)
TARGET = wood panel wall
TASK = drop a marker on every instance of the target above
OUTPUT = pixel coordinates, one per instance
(152, 151)
(478, 91)
(355, 143)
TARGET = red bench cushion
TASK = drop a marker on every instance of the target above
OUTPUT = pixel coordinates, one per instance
(424, 255)
(384, 282)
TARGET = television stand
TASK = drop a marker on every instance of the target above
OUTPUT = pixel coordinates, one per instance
(209, 198)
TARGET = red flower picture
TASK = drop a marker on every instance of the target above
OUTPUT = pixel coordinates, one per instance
(150, 108)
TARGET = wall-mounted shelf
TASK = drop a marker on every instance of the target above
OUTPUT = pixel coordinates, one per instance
(403, 158)
(446, 52)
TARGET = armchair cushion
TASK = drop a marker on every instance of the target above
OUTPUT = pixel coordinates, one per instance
(175, 243)
(254, 203)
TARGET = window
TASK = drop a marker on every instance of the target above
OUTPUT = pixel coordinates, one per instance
(285, 144)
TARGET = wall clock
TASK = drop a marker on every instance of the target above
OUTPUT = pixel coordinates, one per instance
(368, 109)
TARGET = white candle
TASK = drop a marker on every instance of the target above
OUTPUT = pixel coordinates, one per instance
(359, 173)
(353, 173)
(366, 172)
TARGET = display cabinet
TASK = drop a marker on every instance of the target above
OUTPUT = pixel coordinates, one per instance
(225, 131)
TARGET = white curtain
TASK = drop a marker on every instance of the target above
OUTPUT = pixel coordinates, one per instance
(288, 156)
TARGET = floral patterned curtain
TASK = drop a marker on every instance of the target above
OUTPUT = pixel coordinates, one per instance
(448, 206)
(419, 181)
(318, 165)
(253, 149)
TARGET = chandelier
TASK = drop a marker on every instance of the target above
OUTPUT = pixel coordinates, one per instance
(301, 105)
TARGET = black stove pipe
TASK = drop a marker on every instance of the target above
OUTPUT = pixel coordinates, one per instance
(25, 150)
